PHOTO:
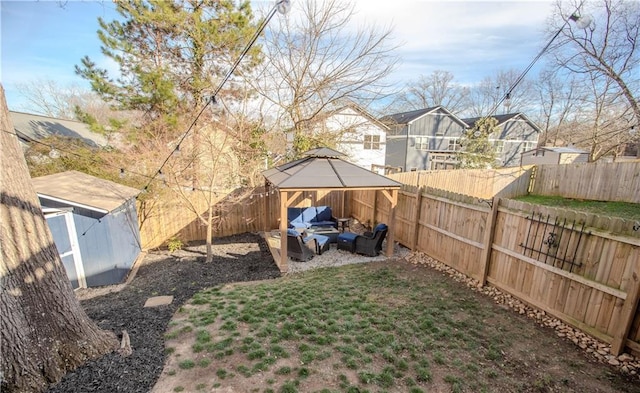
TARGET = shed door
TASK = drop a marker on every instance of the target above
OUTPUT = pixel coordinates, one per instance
(65, 237)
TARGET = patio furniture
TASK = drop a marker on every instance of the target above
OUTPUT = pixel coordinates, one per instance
(331, 232)
(303, 248)
(369, 243)
(313, 216)
(347, 241)
(343, 223)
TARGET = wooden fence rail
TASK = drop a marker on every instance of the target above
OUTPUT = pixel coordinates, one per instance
(502, 243)
(479, 183)
(617, 181)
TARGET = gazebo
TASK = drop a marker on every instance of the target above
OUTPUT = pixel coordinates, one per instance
(323, 169)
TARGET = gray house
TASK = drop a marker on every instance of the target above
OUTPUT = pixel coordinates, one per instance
(423, 139)
(94, 225)
(516, 135)
(554, 155)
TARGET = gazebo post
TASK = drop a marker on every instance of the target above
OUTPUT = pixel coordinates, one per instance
(393, 198)
(284, 203)
(267, 208)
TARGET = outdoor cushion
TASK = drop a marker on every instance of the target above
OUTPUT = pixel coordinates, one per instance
(306, 217)
(323, 214)
(322, 242)
(309, 214)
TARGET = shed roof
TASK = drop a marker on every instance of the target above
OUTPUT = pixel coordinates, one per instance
(31, 127)
(79, 189)
(323, 169)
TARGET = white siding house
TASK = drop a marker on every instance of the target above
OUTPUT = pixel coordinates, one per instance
(361, 137)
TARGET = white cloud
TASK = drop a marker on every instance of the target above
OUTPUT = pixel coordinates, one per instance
(466, 38)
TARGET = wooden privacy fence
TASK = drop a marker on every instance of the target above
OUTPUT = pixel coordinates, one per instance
(164, 216)
(234, 212)
(479, 183)
(583, 269)
(617, 181)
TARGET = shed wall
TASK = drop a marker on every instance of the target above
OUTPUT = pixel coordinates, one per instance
(109, 244)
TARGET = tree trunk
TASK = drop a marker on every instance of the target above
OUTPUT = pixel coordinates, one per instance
(209, 232)
(44, 332)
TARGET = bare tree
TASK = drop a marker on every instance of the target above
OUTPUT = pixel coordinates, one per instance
(49, 98)
(484, 97)
(44, 332)
(600, 125)
(559, 104)
(604, 53)
(218, 173)
(317, 60)
(435, 89)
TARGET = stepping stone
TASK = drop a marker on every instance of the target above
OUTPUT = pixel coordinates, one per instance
(158, 301)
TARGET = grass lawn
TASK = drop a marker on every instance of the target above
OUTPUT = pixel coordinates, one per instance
(626, 210)
(375, 327)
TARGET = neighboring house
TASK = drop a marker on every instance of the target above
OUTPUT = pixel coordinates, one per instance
(516, 135)
(423, 139)
(554, 155)
(357, 134)
(362, 139)
(30, 127)
(94, 224)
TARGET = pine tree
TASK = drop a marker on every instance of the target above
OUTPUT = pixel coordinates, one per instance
(170, 54)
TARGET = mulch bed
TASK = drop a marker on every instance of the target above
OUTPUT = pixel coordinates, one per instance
(237, 258)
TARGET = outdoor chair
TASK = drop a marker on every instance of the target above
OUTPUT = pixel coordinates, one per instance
(303, 248)
(369, 243)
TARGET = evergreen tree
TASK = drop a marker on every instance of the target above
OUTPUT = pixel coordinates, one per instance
(477, 151)
(170, 54)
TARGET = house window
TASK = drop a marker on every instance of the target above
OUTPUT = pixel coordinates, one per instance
(454, 144)
(499, 146)
(422, 143)
(372, 142)
(526, 146)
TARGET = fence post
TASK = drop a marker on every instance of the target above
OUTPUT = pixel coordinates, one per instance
(628, 312)
(487, 240)
(416, 219)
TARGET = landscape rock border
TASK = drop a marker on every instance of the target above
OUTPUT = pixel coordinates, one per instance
(600, 351)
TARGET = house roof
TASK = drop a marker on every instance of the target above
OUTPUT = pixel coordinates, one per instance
(357, 108)
(503, 119)
(79, 189)
(324, 169)
(406, 117)
(30, 127)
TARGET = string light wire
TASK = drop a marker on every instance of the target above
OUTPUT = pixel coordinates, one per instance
(574, 17)
(280, 6)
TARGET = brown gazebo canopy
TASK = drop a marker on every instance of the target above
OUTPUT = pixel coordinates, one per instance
(323, 169)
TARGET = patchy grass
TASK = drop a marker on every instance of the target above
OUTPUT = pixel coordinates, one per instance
(378, 327)
(613, 209)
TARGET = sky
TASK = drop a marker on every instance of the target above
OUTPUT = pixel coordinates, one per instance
(42, 40)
